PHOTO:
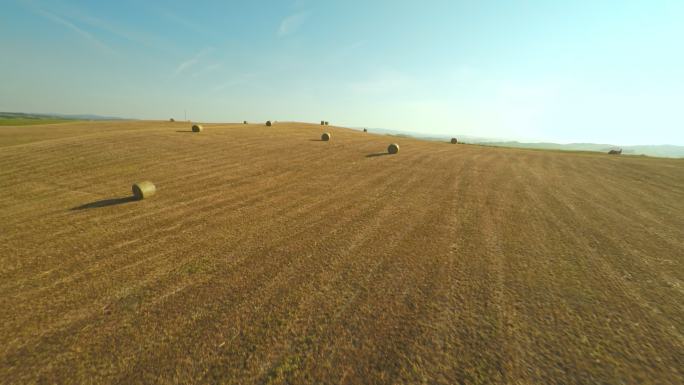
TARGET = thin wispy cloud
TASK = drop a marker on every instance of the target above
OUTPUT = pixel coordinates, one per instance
(57, 19)
(191, 62)
(181, 21)
(163, 12)
(206, 69)
(116, 29)
(186, 64)
(292, 23)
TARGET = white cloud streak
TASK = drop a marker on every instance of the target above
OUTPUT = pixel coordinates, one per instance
(183, 22)
(118, 30)
(184, 65)
(292, 23)
(209, 68)
(68, 24)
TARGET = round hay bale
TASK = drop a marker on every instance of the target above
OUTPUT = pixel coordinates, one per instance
(142, 190)
(454, 140)
(197, 128)
(365, 130)
(393, 148)
(268, 123)
(244, 122)
(325, 137)
(322, 123)
(326, 123)
(172, 120)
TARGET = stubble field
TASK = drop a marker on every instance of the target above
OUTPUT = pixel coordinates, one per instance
(268, 256)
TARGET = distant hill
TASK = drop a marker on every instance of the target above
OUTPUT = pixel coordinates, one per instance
(400, 133)
(55, 116)
(665, 150)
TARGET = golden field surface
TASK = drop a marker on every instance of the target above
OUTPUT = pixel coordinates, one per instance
(268, 256)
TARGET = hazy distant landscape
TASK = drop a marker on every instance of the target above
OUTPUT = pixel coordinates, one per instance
(23, 118)
(665, 150)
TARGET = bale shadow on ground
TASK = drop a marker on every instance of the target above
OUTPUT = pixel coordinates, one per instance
(105, 203)
(377, 154)
(184, 131)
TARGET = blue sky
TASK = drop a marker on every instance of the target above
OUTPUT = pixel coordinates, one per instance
(563, 71)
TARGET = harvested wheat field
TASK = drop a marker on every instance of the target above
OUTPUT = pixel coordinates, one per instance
(290, 260)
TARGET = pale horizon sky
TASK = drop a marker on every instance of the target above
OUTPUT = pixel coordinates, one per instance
(580, 71)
